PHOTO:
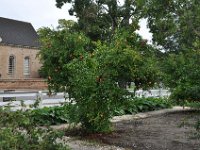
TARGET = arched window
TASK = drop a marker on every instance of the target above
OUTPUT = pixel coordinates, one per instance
(11, 65)
(27, 66)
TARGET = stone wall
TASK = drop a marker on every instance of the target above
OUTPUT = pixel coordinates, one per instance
(15, 84)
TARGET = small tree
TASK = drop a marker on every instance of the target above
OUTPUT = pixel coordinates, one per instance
(92, 77)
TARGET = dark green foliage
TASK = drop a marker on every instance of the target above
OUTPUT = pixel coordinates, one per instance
(182, 75)
(43, 73)
(174, 23)
(18, 131)
(150, 104)
(37, 139)
(54, 115)
(92, 77)
(137, 105)
(99, 19)
(59, 47)
(92, 60)
(190, 94)
(123, 57)
(49, 115)
(176, 29)
(195, 105)
(134, 61)
(95, 92)
(70, 113)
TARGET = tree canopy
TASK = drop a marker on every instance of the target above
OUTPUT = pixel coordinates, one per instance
(174, 23)
(98, 19)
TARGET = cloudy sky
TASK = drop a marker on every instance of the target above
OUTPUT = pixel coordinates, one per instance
(43, 13)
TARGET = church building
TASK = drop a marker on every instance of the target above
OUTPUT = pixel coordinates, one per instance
(19, 64)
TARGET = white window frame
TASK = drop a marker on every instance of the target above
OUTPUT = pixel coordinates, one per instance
(11, 65)
(26, 68)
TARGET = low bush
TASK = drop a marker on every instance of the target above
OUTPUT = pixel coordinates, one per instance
(136, 105)
(195, 105)
(19, 131)
(69, 113)
(191, 94)
(54, 115)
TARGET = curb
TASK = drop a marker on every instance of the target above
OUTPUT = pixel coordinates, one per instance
(134, 116)
(151, 114)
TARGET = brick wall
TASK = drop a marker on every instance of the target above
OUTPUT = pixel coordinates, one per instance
(14, 84)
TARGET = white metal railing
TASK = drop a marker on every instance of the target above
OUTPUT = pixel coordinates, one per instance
(29, 99)
(30, 94)
(153, 93)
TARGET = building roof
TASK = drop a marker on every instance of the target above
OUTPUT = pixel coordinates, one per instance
(13, 32)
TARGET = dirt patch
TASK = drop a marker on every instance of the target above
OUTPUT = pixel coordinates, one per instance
(159, 130)
(162, 132)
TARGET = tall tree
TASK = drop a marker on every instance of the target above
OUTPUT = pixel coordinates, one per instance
(98, 19)
(174, 23)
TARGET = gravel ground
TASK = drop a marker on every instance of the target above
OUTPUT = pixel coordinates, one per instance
(76, 144)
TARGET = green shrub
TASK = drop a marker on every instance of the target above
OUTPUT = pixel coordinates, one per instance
(72, 113)
(182, 75)
(18, 131)
(195, 105)
(66, 113)
(37, 139)
(90, 75)
(54, 115)
(136, 105)
(191, 94)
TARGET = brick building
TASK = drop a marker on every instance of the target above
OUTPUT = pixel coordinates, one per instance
(19, 46)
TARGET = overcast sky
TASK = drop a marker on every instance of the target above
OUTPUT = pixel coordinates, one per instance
(43, 13)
